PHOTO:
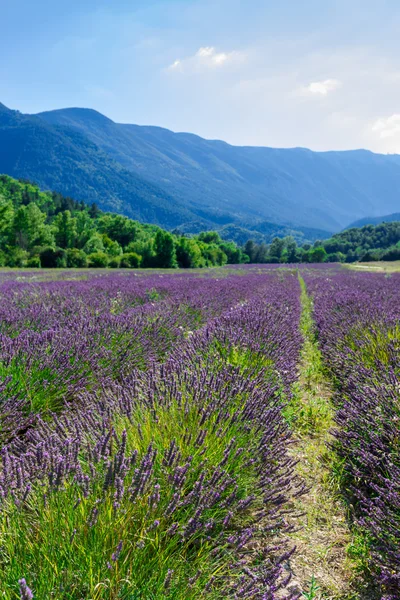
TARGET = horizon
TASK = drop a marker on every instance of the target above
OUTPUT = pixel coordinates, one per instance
(88, 108)
(324, 78)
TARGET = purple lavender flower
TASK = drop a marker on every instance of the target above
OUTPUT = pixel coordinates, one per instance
(25, 592)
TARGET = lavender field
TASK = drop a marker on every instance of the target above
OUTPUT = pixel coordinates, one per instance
(156, 428)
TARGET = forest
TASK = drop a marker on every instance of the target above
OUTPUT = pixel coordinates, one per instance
(365, 244)
(46, 229)
(49, 230)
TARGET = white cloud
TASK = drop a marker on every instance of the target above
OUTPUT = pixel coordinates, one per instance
(210, 57)
(207, 57)
(321, 88)
(387, 127)
(177, 65)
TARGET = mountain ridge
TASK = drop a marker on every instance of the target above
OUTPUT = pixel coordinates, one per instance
(394, 217)
(244, 165)
(183, 180)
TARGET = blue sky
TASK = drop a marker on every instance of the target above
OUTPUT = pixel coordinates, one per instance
(323, 74)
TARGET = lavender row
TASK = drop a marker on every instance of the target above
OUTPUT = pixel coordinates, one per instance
(358, 323)
(169, 480)
(60, 338)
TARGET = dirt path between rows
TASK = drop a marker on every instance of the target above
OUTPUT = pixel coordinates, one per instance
(321, 567)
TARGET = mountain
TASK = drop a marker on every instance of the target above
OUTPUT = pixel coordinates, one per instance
(266, 232)
(63, 159)
(182, 180)
(285, 186)
(375, 220)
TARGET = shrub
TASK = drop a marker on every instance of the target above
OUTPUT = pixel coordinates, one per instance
(51, 258)
(76, 258)
(336, 257)
(131, 260)
(17, 257)
(33, 262)
(98, 260)
(391, 254)
(115, 262)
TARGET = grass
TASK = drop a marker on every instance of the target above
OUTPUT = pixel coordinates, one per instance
(378, 266)
(325, 564)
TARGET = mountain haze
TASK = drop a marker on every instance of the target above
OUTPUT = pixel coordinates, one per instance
(182, 180)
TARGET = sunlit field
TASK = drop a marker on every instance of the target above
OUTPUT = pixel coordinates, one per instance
(388, 267)
(201, 434)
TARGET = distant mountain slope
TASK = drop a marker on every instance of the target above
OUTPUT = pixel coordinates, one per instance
(375, 220)
(287, 186)
(179, 179)
(63, 159)
(266, 232)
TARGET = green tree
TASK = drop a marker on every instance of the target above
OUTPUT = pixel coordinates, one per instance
(119, 229)
(276, 249)
(234, 253)
(209, 237)
(144, 248)
(16, 257)
(336, 257)
(213, 255)
(111, 247)
(250, 250)
(94, 211)
(188, 254)
(164, 247)
(6, 220)
(98, 260)
(85, 227)
(318, 255)
(76, 259)
(261, 254)
(291, 250)
(66, 230)
(29, 228)
(94, 244)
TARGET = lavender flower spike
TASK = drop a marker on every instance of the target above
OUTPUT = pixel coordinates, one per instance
(25, 591)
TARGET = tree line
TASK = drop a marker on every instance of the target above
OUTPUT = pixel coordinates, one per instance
(368, 243)
(46, 229)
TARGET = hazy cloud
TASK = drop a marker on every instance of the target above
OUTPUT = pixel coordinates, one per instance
(387, 127)
(176, 66)
(321, 88)
(207, 57)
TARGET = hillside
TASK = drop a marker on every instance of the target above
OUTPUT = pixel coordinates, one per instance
(375, 220)
(181, 180)
(62, 159)
(368, 243)
(285, 186)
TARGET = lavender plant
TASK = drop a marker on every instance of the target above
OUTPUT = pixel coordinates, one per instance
(357, 317)
(144, 455)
